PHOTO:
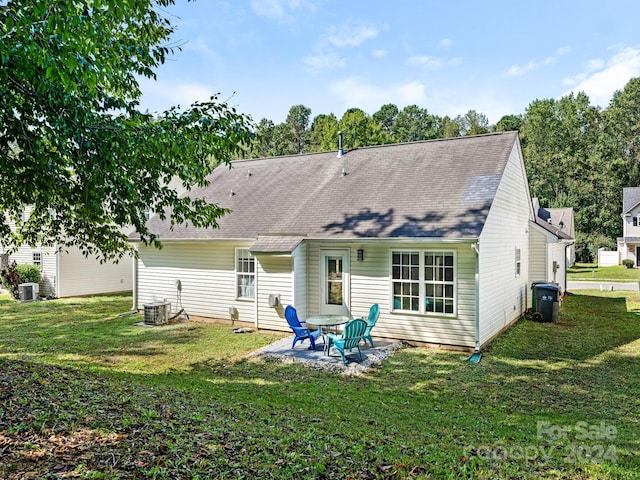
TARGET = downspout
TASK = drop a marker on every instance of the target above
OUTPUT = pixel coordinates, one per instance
(566, 252)
(134, 307)
(57, 287)
(476, 248)
(256, 291)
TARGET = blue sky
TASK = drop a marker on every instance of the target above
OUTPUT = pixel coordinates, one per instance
(494, 57)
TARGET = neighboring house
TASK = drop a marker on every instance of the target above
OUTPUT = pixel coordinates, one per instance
(435, 232)
(629, 243)
(66, 272)
(551, 244)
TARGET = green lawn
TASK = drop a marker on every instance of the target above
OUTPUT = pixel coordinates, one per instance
(588, 271)
(85, 393)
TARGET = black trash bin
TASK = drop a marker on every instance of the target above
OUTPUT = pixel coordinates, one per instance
(547, 298)
(533, 291)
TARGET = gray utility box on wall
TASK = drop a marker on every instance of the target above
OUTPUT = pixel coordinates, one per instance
(274, 300)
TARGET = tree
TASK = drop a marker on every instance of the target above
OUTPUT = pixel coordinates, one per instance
(449, 127)
(360, 130)
(263, 143)
(474, 123)
(414, 123)
(297, 126)
(324, 133)
(622, 125)
(72, 140)
(386, 117)
(508, 123)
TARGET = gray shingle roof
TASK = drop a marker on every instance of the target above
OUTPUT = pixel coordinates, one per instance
(438, 188)
(630, 198)
(559, 221)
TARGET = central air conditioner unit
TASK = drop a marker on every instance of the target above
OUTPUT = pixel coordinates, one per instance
(28, 291)
(157, 313)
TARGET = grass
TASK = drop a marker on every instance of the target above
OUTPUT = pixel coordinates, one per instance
(589, 271)
(87, 394)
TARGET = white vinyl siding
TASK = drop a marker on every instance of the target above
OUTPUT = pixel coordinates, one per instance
(632, 223)
(503, 298)
(275, 277)
(537, 258)
(300, 280)
(80, 275)
(370, 283)
(207, 272)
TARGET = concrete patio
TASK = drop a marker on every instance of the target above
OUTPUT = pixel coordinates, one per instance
(371, 356)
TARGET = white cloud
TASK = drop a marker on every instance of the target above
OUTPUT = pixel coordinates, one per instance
(434, 63)
(380, 53)
(519, 70)
(603, 77)
(324, 61)
(352, 92)
(159, 96)
(326, 57)
(350, 35)
(200, 44)
(425, 61)
(279, 10)
(446, 43)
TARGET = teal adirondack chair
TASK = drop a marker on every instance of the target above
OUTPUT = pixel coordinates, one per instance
(372, 318)
(350, 338)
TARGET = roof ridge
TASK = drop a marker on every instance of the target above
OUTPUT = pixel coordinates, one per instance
(384, 145)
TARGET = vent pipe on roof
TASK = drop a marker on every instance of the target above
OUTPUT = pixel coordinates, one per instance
(340, 148)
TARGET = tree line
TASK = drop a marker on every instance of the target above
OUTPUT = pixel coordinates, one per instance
(576, 154)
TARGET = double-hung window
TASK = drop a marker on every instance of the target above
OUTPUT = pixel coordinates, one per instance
(423, 281)
(36, 259)
(518, 262)
(245, 274)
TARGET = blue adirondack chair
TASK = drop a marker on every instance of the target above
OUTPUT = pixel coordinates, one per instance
(300, 331)
(372, 318)
(350, 338)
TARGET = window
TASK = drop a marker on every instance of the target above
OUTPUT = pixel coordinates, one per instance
(636, 221)
(423, 281)
(518, 262)
(245, 274)
(37, 259)
(406, 280)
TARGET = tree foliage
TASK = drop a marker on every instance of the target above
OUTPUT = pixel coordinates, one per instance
(73, 142)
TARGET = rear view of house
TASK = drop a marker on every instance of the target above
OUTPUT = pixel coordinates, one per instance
(435, 232)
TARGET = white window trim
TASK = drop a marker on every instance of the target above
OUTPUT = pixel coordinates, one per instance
(33, 261)
(518, 262)
(240, 251)
(422, 282)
